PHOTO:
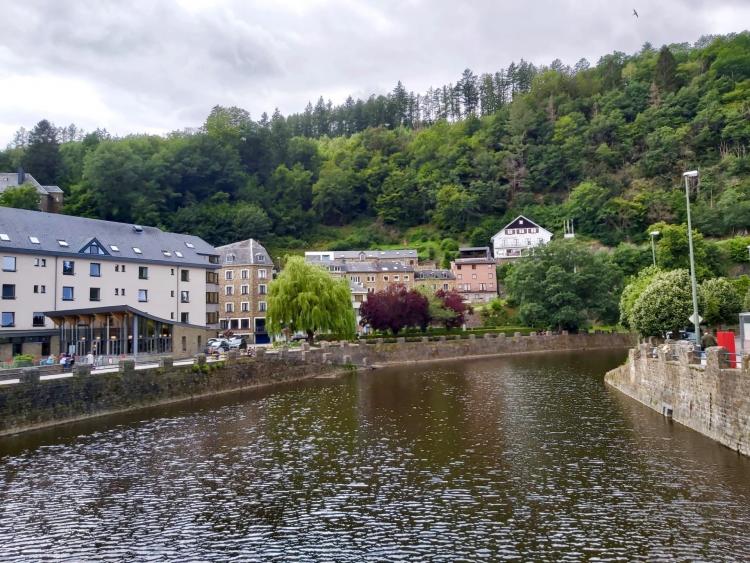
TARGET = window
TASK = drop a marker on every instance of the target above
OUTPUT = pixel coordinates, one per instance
(396, 278)
(166, 253)
(37, 319)
(9, 291)
(245, 306)
(189, 244)
(171, 315)
(184, 297)
(459, 276)
(445, 287)
(142, 272)
(262, 274)
(262, 289)
(229, 290)
(406, 277)
(117, 291)
(212, 277)
(229, 307)
(482, 287)
(9, 263)
(245, 274)
(171, 271)
(385, 278)
(185, 275)
(473, 276)
(122, 291)
(95, 270)
(355, 278)
(473, 266)
(114, 248)
(122, 268)
(261, 306)
(213, 259)
(69, 268)
(33, 240)
(185, 318)
(178, 254)
(260, 258)
(67, 293)
(490, 276)
(94, 248)
(244, 323)
(234, 324)
(8, 320)
(62, 242)
(137, 250)
(117, 267)
(212, 318)
(229, 259)
(244, 289)
(143, 295)
(40, 262)
(95, 294)
(4, 237)
(223, 324)
(184, 343)
(370, 278)
(171, 293)
(228, 275)
(212, 297)
(40, 289)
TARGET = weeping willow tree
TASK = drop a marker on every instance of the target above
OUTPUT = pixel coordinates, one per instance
(306, 298)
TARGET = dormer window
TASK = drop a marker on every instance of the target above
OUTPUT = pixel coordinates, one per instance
(229, 258)
(260, 258)
(34, 240)
(137, 250)
(189, 244)
(62, 242)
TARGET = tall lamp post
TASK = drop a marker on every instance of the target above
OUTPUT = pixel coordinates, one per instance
(694, 286)
(654, 234)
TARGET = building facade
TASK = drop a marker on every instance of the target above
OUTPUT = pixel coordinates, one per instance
(373, 276)
(435, 280)
(475, 274)
(246, 272)
(81, 285)
(517, 238)
(50, 197)
(406, 256)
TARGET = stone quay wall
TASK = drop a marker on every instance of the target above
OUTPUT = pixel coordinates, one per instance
(36, 403)
(713, 398)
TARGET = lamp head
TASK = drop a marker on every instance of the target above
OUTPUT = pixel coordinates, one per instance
(690, 174)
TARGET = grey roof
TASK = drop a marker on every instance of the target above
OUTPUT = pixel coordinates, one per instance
(488, 260)
(10, 180)
(365, 267)
(434, 275)
(356, 287)
(474, 249)
(245, 252)
(396, 254)
(49, 228)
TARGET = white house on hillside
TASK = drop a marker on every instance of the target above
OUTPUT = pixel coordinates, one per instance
(518, 237)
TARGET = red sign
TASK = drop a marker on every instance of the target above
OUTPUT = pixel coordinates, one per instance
(725, 339)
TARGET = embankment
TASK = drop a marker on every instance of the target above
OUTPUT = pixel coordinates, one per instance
(713, 399)
(36, 403)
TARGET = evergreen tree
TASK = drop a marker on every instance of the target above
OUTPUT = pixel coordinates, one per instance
(665, 72)
(42, 156)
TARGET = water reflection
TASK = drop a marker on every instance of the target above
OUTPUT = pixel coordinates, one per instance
(523, 458)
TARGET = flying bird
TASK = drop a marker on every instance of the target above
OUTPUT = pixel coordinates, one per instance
(635, 13)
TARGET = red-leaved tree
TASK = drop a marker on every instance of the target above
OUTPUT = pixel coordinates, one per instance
(452, 301)
(394, 309)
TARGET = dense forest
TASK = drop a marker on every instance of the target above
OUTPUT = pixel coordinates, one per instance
(603, 145)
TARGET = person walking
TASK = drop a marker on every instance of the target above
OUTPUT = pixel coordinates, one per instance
(708, 339)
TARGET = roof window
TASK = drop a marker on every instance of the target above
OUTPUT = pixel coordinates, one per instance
(34, 240)
(114, 247)
(166, 253)
(62, 242)
(137, 250)
(4, 237)
(178, 253)
(137, 228)
(189, 244)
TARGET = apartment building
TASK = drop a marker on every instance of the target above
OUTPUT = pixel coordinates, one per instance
(406, 256)
(373, 276)
(81, 285)
(474, 270)
(435, 280)
(246, 272)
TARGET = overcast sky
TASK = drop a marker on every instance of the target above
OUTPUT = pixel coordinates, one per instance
(158, 65)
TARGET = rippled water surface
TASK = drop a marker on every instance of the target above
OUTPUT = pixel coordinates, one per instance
(528, 458)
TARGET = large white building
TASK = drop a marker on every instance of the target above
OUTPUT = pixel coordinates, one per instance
(76, 285)
(518, 237)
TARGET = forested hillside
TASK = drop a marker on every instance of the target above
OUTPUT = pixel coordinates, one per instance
(603, 145)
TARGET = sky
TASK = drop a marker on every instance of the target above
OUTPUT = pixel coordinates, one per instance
(154, 66)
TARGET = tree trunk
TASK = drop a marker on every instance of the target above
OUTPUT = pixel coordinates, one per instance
(310, 337)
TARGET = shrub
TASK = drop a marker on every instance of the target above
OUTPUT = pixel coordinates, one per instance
(23, 361)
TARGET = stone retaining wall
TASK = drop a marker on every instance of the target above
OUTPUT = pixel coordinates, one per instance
(712, 399)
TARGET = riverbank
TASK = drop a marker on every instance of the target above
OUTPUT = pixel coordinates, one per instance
(713, 399)
(41, 401)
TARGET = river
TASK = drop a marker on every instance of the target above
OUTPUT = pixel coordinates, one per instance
(522, 458)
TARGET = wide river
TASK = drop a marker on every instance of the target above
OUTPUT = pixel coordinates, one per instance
(529, 458)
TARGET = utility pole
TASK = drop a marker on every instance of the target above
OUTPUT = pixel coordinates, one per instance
(693, 283)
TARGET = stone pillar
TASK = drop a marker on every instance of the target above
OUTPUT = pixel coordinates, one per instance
(516, 334)
(232, 355)
(442, 338)
(400, 340)
(425, 339)
(128, 366)
(305, 346)
(327, 358)
(501, 335)
(487, 336)
(166, 362)
(260, 353)
(200, 359)
(324, 345)
(472, 337)
(30, 376)
(380, 340)
(716, 358)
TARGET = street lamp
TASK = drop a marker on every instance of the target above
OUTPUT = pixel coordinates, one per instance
(654, 234)
(696, 319)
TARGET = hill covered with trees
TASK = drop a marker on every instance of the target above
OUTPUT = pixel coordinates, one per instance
(601, 144)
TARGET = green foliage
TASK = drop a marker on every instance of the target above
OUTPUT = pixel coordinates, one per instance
(633, 291)
(23, 360)
(721, 303)
(497, 313)
(672, 250)
(665, 304)
(306, 298)
(20, 197)
(564, 284)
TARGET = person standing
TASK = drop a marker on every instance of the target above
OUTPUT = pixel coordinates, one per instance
(708, 339)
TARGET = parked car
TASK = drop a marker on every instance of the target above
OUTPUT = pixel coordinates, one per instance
(218, 344)
(299, 336)
(237, 342)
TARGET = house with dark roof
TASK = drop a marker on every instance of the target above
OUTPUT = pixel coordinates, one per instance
(50, 197)
(80, 285)
(475, 274)
(518, 238)
(246, 272)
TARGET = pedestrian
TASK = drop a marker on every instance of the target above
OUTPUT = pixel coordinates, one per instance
(708, 339)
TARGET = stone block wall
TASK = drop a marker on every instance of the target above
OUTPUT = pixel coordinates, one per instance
(712, 399)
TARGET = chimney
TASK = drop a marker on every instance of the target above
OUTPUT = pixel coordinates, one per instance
(21, 175)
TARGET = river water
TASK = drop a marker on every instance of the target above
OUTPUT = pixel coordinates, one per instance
(529, 458)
